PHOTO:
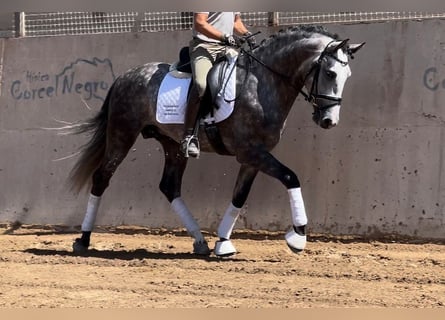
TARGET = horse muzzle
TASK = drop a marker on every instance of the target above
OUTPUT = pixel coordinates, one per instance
(327, 118)
(327, 123)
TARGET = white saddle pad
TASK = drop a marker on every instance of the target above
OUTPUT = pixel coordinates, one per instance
(172, 97)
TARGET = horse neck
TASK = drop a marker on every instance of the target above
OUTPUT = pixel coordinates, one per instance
(293, 57)
(288, 63)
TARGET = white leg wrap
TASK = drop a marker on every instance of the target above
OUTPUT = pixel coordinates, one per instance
(90, 216)
(228, 222)
(299, 217)
(295, 241)
(224, 248)
(187, 219)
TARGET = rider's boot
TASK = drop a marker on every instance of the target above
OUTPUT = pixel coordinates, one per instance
(189, 143)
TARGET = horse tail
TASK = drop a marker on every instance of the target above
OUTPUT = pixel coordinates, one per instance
(91, 153)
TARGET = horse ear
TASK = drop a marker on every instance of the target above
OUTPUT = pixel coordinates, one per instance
(336, 45)
(353, 48)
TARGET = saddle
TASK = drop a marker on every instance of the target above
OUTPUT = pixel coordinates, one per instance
(183, 64)
(215, 78)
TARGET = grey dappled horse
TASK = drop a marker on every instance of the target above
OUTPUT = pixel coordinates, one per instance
(269, 78)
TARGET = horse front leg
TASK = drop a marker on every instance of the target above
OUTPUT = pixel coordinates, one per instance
(296, 237)
(268, 164)
(170, 186)
(224, 246)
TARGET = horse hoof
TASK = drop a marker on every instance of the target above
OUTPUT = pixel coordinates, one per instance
(224, 248)
(295, 241)
(78, 247)
(201, 248)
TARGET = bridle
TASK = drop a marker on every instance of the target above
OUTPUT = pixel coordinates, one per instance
(313, 96)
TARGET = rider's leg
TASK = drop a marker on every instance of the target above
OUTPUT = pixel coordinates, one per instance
(189, 142)
(201, 62)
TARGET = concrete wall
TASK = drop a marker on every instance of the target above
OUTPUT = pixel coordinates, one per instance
(6, 21)
(379, 171)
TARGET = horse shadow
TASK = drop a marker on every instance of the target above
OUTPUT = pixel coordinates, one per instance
(128, 255)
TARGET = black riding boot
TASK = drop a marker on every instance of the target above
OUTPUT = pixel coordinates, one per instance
(190, 143)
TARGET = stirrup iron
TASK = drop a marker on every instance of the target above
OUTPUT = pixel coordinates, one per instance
(186, 144)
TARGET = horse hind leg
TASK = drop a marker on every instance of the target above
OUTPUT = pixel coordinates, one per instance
(115, 153)
(224, 246)
(170, 186)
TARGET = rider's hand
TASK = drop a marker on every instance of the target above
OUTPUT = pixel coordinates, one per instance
(231, 40)
(250, 38)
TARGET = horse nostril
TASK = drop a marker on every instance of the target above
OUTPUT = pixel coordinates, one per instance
(327, 123)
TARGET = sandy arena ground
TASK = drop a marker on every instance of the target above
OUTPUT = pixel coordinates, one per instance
(136, 267)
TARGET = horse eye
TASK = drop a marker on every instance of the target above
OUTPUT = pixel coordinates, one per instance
(331, 74)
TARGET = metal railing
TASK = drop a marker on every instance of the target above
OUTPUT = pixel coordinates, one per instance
(77, 23)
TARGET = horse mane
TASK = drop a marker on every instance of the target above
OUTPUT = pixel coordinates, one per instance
(297, 33)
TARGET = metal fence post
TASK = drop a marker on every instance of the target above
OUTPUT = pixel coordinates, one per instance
(19, 19)
(273, 19)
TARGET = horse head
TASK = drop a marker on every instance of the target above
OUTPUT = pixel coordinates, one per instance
(326, 79)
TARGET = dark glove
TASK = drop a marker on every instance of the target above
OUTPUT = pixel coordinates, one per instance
(232, 40)
(250, 38)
